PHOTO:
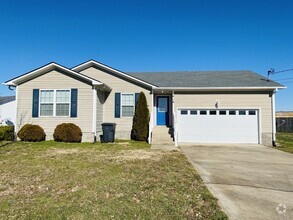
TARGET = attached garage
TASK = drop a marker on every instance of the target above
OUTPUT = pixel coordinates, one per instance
(214, 106)
(218, 126)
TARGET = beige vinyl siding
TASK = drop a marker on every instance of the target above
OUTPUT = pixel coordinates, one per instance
(55, 80)
(259, 101)
(123, 125)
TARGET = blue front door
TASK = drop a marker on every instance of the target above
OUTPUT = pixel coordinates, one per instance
(162, 110)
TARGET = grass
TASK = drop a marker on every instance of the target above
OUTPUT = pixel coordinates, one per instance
(285, 142)
(125, 180)
(4, 143)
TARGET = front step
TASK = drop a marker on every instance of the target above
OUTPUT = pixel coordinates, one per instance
(162, 136)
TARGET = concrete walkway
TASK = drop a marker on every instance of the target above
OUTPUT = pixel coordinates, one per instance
(165, 147)
(250, 181)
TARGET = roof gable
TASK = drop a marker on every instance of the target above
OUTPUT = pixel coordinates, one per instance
(93, 63)
(46, 68)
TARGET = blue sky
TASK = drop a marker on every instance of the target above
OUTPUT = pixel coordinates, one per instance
(161, 35)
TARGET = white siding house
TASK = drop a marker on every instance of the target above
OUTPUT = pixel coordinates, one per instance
(7, 110)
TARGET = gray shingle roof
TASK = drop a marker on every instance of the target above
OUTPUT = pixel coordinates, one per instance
(206, 79)
(5, 99)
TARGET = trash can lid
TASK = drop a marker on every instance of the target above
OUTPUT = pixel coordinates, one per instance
(108, 123)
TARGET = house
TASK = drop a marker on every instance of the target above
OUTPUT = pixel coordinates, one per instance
(7, 110)
(198, 107)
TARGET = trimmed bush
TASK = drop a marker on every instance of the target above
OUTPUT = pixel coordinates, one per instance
(67, 132)
(6, 133)
(140, 125)
(33, 133)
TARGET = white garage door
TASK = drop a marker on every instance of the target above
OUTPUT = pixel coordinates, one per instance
(218, 126)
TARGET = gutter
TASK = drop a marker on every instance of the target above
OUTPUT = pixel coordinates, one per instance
(216, 88)
(8, 84)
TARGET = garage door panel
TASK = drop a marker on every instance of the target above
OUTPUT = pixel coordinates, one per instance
(218, 128)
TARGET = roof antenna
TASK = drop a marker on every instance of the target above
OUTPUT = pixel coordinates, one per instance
(271, 71)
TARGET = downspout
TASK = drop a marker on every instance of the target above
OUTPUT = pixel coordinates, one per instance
(151, 118)
(174, 120)
(16, 106)
(94, 125)
(274, 118)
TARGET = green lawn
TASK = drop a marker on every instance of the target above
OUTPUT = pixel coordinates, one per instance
(125, 180)
(285, 142)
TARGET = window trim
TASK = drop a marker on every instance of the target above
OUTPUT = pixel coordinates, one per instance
(54, 103)
(121, 104)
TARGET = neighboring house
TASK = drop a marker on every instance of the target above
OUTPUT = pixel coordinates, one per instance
(7, 110)
(199, 107)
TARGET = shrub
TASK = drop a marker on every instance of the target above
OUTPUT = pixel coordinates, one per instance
(7, 133)
(31, 132)
(67, 132)
(140, 125)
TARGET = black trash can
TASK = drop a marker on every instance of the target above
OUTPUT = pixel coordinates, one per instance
(108, 132)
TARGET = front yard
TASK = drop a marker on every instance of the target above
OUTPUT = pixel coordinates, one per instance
(285, 142)
(125, 180)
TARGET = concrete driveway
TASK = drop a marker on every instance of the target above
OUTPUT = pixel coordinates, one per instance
(250, 181)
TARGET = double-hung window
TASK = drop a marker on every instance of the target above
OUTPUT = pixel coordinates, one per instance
(127, 104)
(55, 102)
(62, 102)
(47, 103)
